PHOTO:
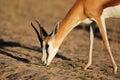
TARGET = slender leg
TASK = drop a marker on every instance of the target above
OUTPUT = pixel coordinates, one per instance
(90, 49)
(102, 27)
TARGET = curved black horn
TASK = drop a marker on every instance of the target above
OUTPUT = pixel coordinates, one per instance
(38, 35)
(42, 30)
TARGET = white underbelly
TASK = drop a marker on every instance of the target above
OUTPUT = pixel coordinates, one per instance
(113, 12)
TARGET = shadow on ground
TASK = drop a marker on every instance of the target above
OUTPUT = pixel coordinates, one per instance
(16, 44)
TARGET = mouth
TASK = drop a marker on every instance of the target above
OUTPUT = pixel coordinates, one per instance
(45, 59)
(48, 56)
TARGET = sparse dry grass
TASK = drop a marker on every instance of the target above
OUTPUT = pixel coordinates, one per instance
(20, 54)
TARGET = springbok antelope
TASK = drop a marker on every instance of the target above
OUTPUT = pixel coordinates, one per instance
(83, 11)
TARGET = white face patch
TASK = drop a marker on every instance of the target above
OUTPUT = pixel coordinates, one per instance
(44, 55)
(49, 53)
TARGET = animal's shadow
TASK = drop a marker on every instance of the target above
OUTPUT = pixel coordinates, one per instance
(3, 51)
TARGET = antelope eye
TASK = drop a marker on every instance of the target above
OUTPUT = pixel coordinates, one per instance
(47, 46)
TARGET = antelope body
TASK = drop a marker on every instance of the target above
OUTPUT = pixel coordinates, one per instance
(83, 11)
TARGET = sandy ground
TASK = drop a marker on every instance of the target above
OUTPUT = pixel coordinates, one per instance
(20, 53)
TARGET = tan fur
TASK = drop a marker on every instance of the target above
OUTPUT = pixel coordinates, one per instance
(85, 10)
(81, 10)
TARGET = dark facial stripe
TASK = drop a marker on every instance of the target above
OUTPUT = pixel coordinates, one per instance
(47, 55)
(47, 46)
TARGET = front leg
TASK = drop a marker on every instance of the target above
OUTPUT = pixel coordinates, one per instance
(89, 62)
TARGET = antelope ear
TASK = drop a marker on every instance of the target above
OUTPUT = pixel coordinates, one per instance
(55, 29)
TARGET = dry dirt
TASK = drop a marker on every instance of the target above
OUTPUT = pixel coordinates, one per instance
(20, 53)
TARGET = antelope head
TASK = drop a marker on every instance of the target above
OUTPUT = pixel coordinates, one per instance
(46, 40)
